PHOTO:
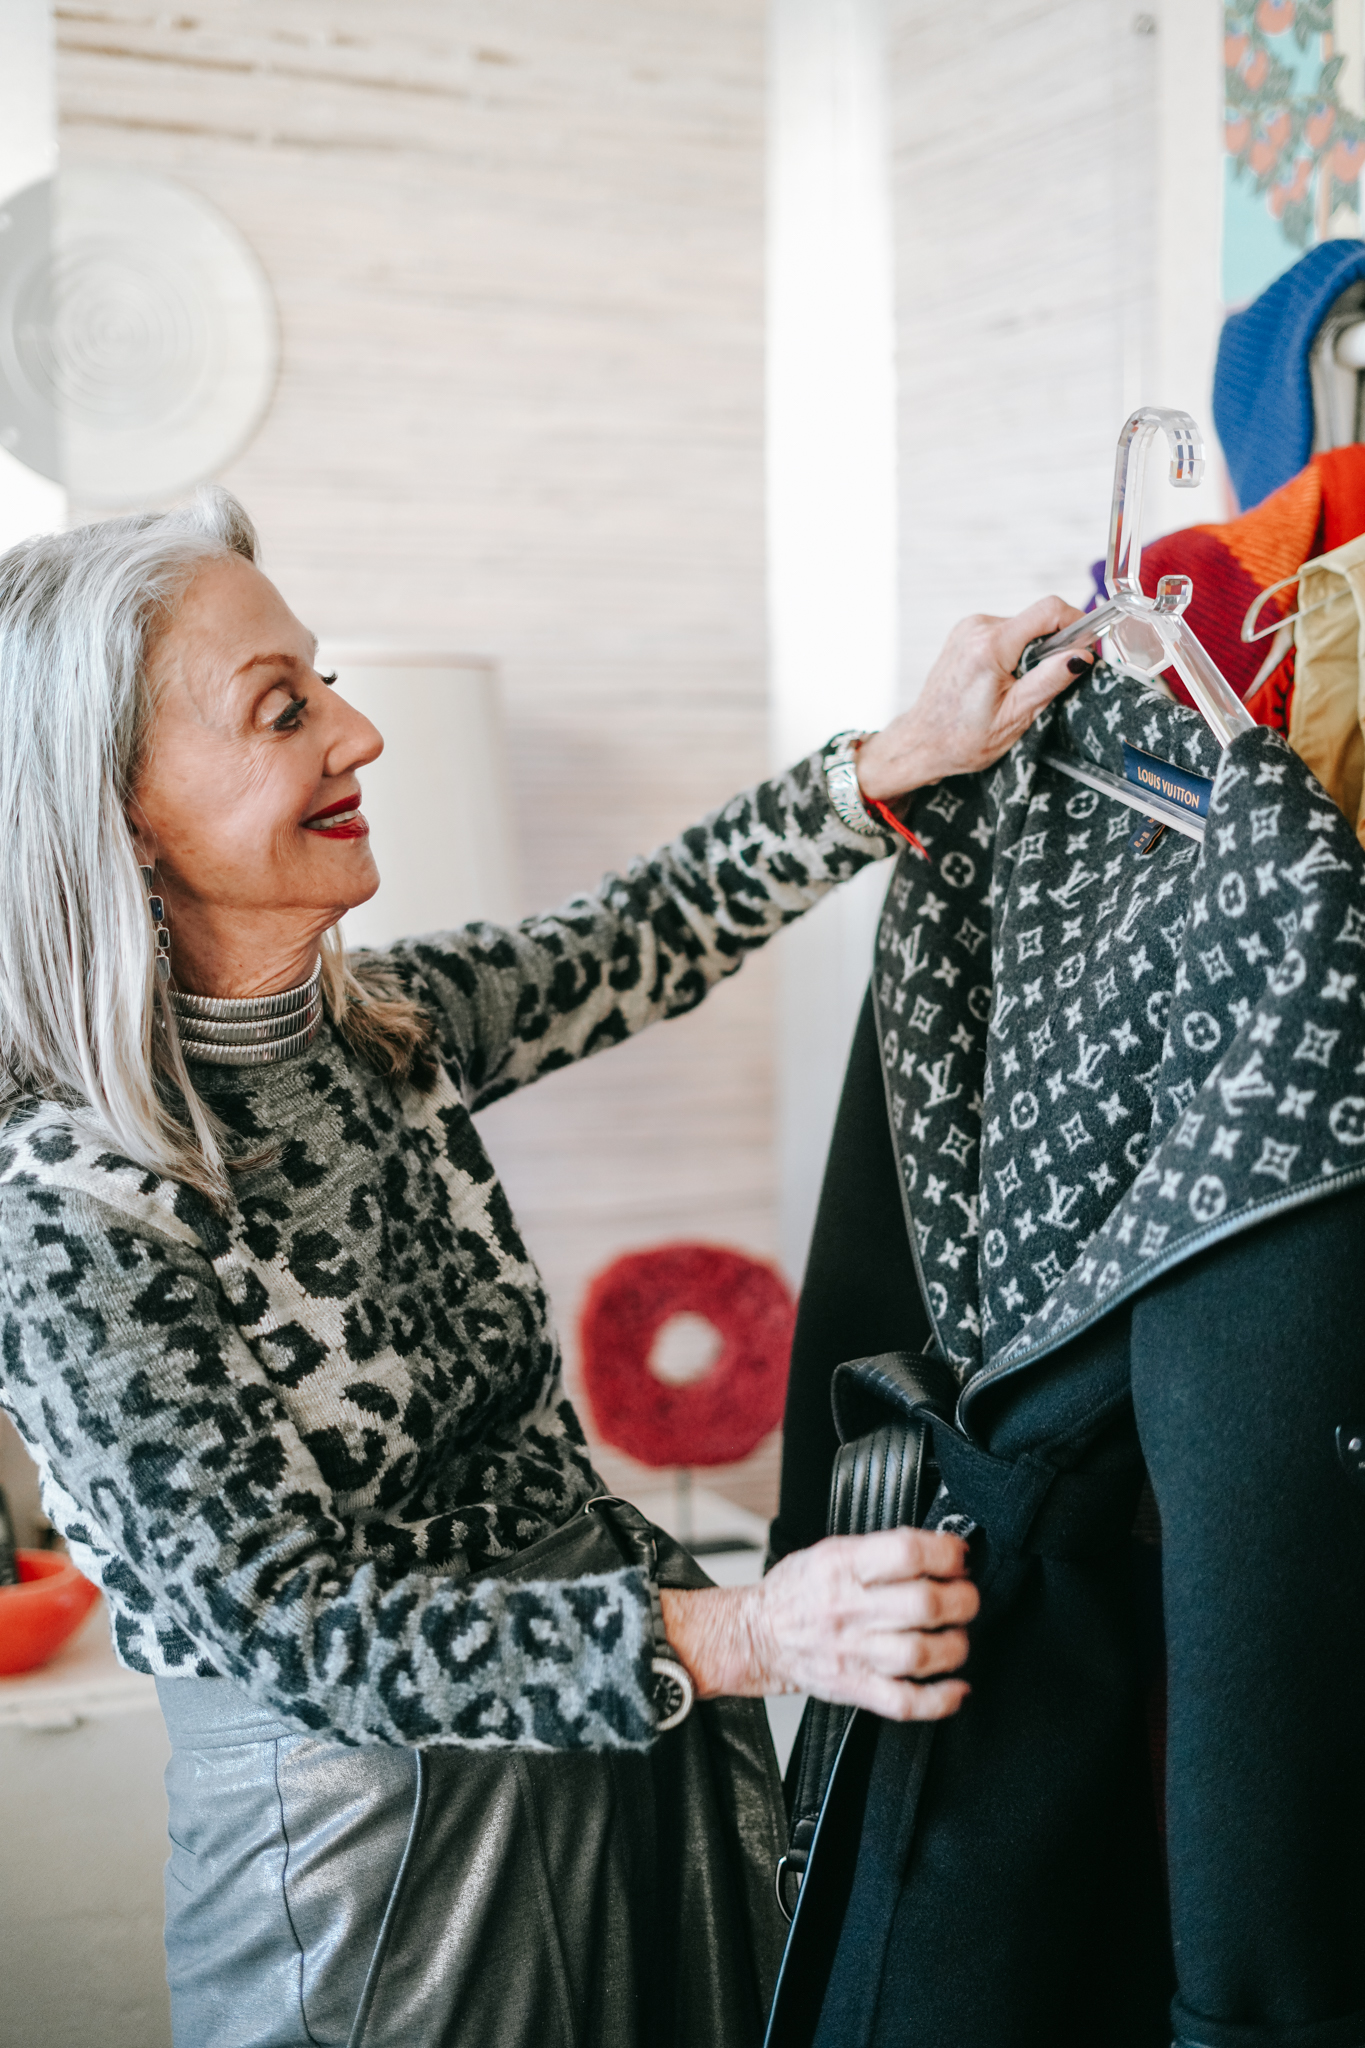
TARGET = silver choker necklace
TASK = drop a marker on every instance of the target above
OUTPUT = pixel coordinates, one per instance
(249, 1031)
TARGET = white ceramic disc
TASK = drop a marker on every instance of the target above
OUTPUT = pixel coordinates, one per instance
(138, 336)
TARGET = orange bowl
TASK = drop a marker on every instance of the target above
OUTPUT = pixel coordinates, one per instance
(38, 1615)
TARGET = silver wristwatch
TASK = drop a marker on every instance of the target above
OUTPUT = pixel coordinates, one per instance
(841, 780)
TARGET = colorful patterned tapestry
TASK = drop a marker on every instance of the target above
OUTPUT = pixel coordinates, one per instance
(1294, 134)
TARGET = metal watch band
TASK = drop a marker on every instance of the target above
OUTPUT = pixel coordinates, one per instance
(841, 780)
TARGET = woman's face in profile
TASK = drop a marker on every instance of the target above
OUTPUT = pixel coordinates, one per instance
(249, 797)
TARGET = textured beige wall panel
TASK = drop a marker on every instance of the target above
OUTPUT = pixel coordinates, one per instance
(517, 250)
(1024, 166)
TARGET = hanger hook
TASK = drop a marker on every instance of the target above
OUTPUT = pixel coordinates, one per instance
(1173, 593)
(1121, 569)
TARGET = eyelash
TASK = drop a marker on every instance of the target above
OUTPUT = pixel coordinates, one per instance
(288, 720)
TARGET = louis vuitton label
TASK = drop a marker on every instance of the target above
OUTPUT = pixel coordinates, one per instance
(1164, 779)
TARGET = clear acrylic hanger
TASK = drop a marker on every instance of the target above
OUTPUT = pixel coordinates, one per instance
(1151, 806)
(1150, 633)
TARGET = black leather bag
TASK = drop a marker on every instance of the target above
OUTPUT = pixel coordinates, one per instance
(594, 1900)
(884, 1478)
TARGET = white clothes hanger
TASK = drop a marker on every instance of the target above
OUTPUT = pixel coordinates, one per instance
(1282, 628)
(1251, 631)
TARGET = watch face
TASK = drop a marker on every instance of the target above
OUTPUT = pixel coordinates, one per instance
(673, 1693)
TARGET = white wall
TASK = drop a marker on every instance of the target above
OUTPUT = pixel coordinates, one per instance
(1046, 216)
(28, 152)
(83, 1820)
(520, 261)
(517, 248)
(519, 254)
(1057, 181)
(438, 800)
(1187, 252)
(831, 475)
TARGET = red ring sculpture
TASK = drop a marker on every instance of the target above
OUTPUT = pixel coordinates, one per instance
(724, 1414)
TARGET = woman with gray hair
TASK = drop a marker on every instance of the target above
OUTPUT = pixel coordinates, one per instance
(290, 1375)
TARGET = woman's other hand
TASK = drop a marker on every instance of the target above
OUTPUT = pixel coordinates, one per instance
(972, 707)
(867, 1621)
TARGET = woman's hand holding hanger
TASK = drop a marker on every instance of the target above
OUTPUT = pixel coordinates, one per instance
(972, 707)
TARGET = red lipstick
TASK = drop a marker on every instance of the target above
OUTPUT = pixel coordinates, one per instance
(339, 820)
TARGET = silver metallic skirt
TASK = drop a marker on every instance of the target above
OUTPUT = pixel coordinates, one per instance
(287, 1852)
(320, 1895)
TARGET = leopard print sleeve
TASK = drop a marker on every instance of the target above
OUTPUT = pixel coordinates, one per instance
(185, 1488)
(514, 1004)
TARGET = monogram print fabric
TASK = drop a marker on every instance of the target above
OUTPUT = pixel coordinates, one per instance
(285, 1439)
(1099, 1061)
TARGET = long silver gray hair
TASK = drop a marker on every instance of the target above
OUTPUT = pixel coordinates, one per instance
(83, 1017)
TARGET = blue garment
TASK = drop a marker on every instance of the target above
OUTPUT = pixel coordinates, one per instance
(1262, 398)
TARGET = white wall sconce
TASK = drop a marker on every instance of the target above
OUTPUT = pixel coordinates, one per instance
(438, 798)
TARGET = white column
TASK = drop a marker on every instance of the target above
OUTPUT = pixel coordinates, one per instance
(1188, 252)
(28, 152)
(831, 507)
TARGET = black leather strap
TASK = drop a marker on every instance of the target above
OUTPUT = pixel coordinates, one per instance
(893, 1386)
(884, 1478)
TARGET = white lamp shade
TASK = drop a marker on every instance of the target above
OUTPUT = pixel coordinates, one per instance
(437, 798)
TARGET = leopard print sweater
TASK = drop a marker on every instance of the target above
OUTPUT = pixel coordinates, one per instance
(284, 1440)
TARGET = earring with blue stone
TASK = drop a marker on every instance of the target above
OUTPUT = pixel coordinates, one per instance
(157, 907)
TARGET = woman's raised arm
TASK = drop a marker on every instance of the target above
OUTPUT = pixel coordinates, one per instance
(514, 1004)
(972, 707)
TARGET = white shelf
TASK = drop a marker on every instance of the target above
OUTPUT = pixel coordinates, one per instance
(84, 1681)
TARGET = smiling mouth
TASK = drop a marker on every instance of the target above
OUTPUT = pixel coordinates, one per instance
(341, 820)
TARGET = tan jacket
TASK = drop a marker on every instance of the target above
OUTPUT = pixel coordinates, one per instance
(1327, 712)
